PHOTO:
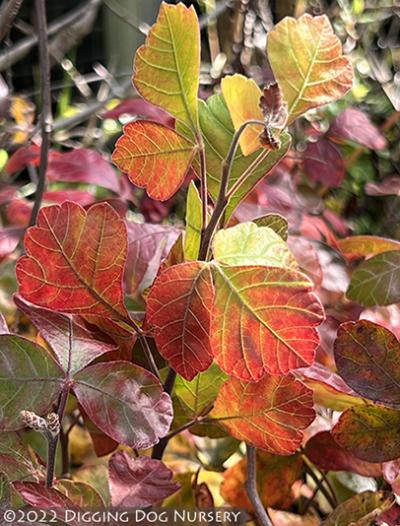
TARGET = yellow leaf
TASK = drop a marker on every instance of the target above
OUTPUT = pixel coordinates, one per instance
(167, 66)
(242, 96)
(307, 61)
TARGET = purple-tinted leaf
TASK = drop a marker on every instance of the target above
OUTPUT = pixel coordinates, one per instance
(389, 186)
(21, 158)
(77, 196)
(323, 162)
(307, 257)
(126, 402)
(83, 166)
(355, 125)
(9, 239)
(74, 344)
(124, 338)
(147, 245)
(81, 494)
(16, 460)
(139, 482)
(142, 108)
(7, 193)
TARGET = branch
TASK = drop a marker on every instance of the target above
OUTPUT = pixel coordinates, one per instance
(46, 118)
(8, 11)
(251, 488)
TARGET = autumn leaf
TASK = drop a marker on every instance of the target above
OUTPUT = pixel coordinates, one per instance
(264, 320)
(367, 505)
(167, 66)
(376, 281)
(249, 244)
(193, 221)
(323, 162)
(307, 61)
(16, 460)
(75, 261)
(125, 401)
(363, 246)
(154, 157)
(30, 380)
(139, 482)
(370, 432)
(354, 125)
(367, 357)
(179, 313)
(275, 222)
(81, 494)
(270, 414)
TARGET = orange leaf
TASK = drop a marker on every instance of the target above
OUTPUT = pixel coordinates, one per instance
(154, 157)
(242, 96)
(307, 61)
(75, 260)
(269, 414)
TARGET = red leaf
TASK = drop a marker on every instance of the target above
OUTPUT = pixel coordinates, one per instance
(75, 261)
(138, 106)
(21, 158)
(179, 311)
(389, 186)
(77, 196)
(138, 482)
(323, 162)
(124, 338)
(355, 125)
(270, 414)
(154, 157)
(9, 239)
(19, 212)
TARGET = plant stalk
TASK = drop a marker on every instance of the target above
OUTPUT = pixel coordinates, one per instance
(251, 488)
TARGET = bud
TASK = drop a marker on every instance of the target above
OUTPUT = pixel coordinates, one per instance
(53, 424)
(34, 421)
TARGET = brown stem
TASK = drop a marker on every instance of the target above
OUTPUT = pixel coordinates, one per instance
(46, 118)
(8, 11)
(64, 443)
(251, 487)
(52, 441)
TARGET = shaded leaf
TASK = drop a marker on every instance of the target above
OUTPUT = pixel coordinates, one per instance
(264, 320)
(370, 432)
(270, 414)
(81, 494)
(139, 482)
(355, 125)
(167, 66)
(377, 280)
(75, 260)
(367, 357)
(307, 257)
(125, 401)
(363, 246)
(389, 186)
(16, 460)
(276, 222)
(193, 221)
(155, 157)
(29, 380)
(179, 313)
(137, 106)
(323, 162)
(367, 505)
(315, 72)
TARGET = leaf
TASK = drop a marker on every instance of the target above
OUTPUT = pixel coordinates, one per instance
(148, 244)
(139, 107)
(377, 280)
(363, 246)
(249, 244)
(29, 380)
(276, 222)
(218, 130)
(9, 239)
(179, 312)
(155, 157)
(125, 401)
(16, 460)
(275, 113)
(307, 257)
(167, 66)
(23, 157)
(74, 344)
(368, 505)
(263, 320)
(315, 72)
(139, 482)
(370, 432)
(355, 125)
(270, 414)
(82, 495)
(325, 453)
(193, 223)
(367, 357)
(199, 394)
(388, 186)
(77, 196)
(323, 163)
(75, 261)
(242, 97)
(275, 477)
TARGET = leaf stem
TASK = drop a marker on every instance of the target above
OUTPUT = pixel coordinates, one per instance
(251, 488)
(52, 441)
(203, 182)
(46, 118)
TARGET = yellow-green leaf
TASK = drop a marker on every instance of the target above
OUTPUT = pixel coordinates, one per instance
(193, 223)
(307, 61)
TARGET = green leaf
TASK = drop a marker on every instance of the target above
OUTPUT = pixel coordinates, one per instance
(218, 130)
(377, 280)
(276, 222)
(249, 244)
(193, 223)
(30, 380)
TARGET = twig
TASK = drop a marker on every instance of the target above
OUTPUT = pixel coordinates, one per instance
(8, 11)
(158, 449)
(251, 488)
(53, 440)
(331, 498)
(64, 443)
(46, 118)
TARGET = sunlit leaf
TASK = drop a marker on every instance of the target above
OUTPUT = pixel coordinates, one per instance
(154, 157)
(270, 414)
(193, 223)
(307, 61)
(75, 260)
(125, 401)
(377, 280)
(264, 320)
(361, 246)
(367, 505)
(276, 222)
(139, 482)
(167, 67)
(179, 312)
(249, 244)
